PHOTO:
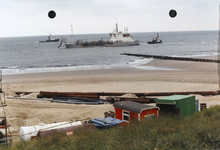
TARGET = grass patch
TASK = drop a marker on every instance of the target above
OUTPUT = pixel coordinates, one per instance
(199, 131)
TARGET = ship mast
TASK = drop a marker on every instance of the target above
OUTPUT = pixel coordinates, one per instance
(116, 25)
(126, 30)
(72, 32)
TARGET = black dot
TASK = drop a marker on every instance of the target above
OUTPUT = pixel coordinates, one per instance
(51, 14)
(172, 13)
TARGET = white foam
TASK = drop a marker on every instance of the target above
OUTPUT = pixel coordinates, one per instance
(52, 69)
(139, 64)
(12, 67)
(154, 68)
(141, 61)
(134, 63)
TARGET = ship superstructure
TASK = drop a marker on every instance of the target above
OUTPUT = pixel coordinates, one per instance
(118, 36)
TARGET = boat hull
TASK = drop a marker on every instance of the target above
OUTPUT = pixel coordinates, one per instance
(72, 45)
(153, 42)
(56, 40)
(108, 44)
(125, 43)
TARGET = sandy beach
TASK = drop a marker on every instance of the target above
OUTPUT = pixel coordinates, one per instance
(163, 76)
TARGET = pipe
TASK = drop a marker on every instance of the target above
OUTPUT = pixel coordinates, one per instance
(97, 94)
(78, 98)
(60, 101)
(139, 100)
(72, 102)
(67, 94)
(20, 92)
(184, 93)
(67, 130)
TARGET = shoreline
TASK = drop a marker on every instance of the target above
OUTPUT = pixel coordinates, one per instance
(181, 72)
(138, 65)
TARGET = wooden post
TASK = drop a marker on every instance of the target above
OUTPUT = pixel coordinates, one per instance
(0, 81)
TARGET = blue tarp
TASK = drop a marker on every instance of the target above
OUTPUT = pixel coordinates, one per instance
(106, 122)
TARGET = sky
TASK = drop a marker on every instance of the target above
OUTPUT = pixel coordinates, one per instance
(30, 17)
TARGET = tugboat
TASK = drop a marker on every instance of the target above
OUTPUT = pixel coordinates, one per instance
(155, 40)
(50, 39)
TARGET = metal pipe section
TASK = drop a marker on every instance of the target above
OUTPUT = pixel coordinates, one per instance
(61, 101)
(78, 98)
(67, 130)
(139, 100)
(66, 94)
(204, 93)
(97, 94)
(28, 132)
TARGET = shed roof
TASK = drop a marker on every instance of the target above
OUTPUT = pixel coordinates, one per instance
(173, 98)
(133, 106)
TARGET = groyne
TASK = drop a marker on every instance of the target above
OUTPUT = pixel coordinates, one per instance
(173, 58)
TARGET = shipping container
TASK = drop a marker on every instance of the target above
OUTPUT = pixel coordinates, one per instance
(181, 105)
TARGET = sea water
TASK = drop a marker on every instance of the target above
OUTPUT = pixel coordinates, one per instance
(27, 55)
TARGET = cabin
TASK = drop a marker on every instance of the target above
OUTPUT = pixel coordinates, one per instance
(130, 111)
(180, 105)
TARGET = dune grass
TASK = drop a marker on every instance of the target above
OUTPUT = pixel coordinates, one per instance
(199, 131)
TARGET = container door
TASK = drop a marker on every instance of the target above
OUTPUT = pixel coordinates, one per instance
(168, 109)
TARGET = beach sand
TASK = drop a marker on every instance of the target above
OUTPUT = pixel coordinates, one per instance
(178, 76)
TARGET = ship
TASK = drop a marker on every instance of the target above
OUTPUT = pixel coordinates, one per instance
(122, 39)
(155, 40)
(50, 39)
(117, 38)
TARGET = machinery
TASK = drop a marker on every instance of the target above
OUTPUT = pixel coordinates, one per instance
(5, 139)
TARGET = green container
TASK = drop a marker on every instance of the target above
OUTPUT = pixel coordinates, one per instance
(182, 105)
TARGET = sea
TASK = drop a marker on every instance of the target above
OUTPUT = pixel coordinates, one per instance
(21, 55)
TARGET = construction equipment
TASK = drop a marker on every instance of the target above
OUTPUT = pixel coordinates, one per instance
(4, 138)
(0, 81)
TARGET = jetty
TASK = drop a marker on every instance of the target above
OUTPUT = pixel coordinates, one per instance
(172, 58)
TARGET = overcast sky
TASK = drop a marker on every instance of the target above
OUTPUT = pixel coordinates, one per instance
(30, 17)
